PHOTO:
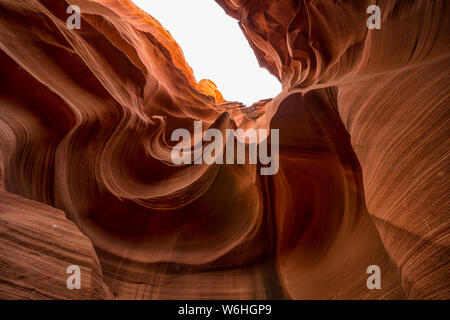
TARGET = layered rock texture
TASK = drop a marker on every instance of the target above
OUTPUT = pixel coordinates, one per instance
(86, 117)
(38, 245)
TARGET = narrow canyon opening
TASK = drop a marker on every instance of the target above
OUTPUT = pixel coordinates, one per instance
(96, 95)
(215, 48)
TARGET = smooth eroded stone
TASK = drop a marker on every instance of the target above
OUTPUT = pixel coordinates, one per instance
(37, 245)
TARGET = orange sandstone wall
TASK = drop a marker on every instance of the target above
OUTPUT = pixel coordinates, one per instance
(392, 96)
(85, 123)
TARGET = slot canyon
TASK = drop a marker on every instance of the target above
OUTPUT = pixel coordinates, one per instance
(86, 178)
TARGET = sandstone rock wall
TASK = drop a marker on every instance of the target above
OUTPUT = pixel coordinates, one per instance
(85, 123)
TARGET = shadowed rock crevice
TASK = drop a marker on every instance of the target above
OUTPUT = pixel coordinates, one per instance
(86, 118)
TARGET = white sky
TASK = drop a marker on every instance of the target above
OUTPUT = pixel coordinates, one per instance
(215, 48)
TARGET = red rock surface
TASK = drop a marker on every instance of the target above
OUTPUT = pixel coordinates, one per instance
(38, 244)
(391, 92)
(85, 123)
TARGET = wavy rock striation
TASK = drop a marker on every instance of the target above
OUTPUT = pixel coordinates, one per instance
(392, 96)
(85, 124)
(38, 244)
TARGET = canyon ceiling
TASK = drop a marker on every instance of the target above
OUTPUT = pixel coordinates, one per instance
(86, 179)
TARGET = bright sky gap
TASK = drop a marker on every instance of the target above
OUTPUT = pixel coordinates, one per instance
(215, 48)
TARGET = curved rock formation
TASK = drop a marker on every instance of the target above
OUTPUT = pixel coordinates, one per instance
(86, 118)
(392, 96)
(38, 245)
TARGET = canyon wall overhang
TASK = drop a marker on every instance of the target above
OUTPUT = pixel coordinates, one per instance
(86, 118)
